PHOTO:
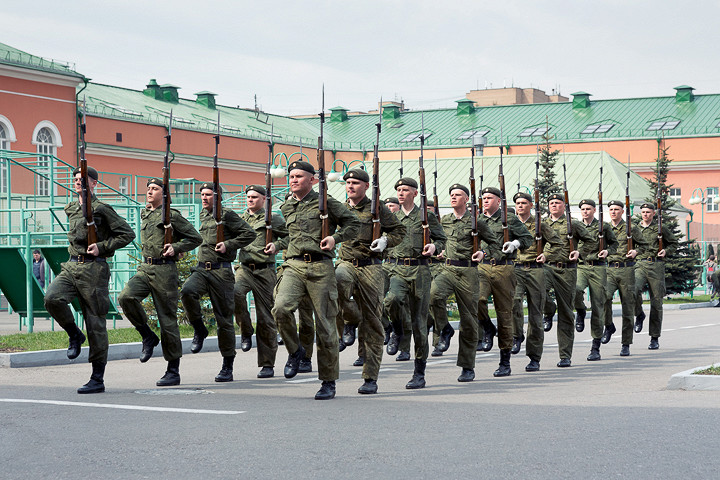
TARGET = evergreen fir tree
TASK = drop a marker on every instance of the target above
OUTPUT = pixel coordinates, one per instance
(547, 183)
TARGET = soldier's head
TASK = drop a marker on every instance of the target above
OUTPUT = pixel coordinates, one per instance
(647, 212)
(206, 195)
(459, 196)
(154, 192)
(587, 210)
(406, 189)
(92, 179)
(491, 199)
(556, 205)
(393, 204)
(523, 203)
(255, 196)
(301, 175)
(615, 207)
(357, 182)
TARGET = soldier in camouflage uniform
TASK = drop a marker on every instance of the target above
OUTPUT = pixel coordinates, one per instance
(592, 274)
(86, 276)
(531, 283)
(158, 276)
(621, 277)
(410, 277)
(309, 273)
(650, 270)
(256, 274)
(213, 275)
(359, 272)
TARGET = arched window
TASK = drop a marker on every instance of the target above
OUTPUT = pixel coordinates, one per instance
(4, 145)
(46, 147)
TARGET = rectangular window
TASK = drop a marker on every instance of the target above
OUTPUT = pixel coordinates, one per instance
(43, 170)
(123, 185)
(663, 125)
(597, 128)
(3, 175)
(415, 137)
(675, 194)
(471, 133)
(713, 202)
(533, 132)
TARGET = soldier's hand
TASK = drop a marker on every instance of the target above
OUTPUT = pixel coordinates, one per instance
(95, 251)
(574, 255)
(270, 249)
(168, 250)
(441, 254)
(631, 254)
(478, 256)
(428, 250)
(661, 253)
(509, 247)
(540, 258)
(220, 247)
(328, 243)
(603, 254)
(379, 244)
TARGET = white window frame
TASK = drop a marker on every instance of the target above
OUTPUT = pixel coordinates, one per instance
(713, 202)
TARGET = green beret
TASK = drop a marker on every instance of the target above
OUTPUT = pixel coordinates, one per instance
(616, 203)
(92, 173)
(587, 201)
(556, 196)
(408, 182)
(357, 174)
(300, 165)
(524, 195)
(392, 200)
(156, 181)
(494, 190)
(457, 186)
(207, 186)
(651, 206)
(256, 188)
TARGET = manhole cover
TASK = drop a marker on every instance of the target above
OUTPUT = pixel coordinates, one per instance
(174, 391)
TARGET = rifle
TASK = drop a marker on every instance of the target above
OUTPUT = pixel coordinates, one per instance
(268, 189)
(568, 217)
(375, 197)
(473, 205)
(322, 182)
(401, 163)
(217, 191)
(628, 225)
(436, 202)
(503, 198)
(658, 200)
(538, 225)
(601, 233)
(423, 192)
(167, 239)
(86, 193)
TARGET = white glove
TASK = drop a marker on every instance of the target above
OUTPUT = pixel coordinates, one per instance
(510, 247)
(379, 245)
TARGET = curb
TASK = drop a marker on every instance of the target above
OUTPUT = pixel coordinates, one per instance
(687, 381)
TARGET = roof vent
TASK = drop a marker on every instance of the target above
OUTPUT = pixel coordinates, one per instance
(465, 106)
(390, 112)
(580, 100)
(169, 93)
(338, 114)
(152, 89)
(206, 99)
(684, 94)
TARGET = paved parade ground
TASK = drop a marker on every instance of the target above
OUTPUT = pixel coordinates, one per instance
(608, 419)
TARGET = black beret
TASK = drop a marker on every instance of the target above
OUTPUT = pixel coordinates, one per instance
(300, 165)
(457, 186)
(207, 186)
(357, 174)
(156, 181)
(430, 203)
(556, 196)
(408, 182)
(651, 206)
(392, 200)
(92, 173)
(256, 188)
(616, 203)
(494, 190)
(524, 195)
(587, 201)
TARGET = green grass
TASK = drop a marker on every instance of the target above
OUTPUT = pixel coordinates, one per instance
(714, 370)
(694, 299)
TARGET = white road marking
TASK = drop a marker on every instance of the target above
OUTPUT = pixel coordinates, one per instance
(438, 362)
(122, 407)
(303, 380)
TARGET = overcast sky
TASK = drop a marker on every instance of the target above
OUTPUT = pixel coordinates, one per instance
(428, 53)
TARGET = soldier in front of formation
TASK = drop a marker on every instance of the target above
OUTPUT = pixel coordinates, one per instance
(157, 276)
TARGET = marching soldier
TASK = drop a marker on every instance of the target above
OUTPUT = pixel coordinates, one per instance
(459, 275)
(410, 277)
(621, 277)
(359, 273)
(592, 274)
(650, 270)
(86, 276)
(497, 275)
(256, 274)
(309, 273)
(561, 273)
(531, 283)
(213, 275)
(158, 276)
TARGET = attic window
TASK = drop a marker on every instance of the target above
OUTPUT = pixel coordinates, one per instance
(397, 125)
(663, 125)
(718, 125)
(472, 133)
(415, 137)
(534, 132)
(599, 128)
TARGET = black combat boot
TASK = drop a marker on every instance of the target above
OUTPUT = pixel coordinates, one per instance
(489, 336)
(504, 368)
(517, 344)
(149, 342)
(172, 375)
(226, 372)
(327, 390)
(201, 333)
(445, 335)
(96, 384)
(76, 339)
(348, 335)
(418, 378)
(594, 351)
(608, 333)
(388, 331)
(293, 363)
(580, 320)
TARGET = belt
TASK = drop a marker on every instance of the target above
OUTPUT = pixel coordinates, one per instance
(595, 263)
(157, 261)
(409, 261)
(214, 266)
(562, 264)
(436, 260)
(528, 265)
(461, 263)
(364, 262)
(652, 259)
(620, 264)
(258, 266)
(86, 258)
(497, 262)
(310, 257)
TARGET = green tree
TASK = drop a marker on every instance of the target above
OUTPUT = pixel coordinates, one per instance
(546, 181)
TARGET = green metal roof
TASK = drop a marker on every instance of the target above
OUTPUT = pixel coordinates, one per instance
(12, 56)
